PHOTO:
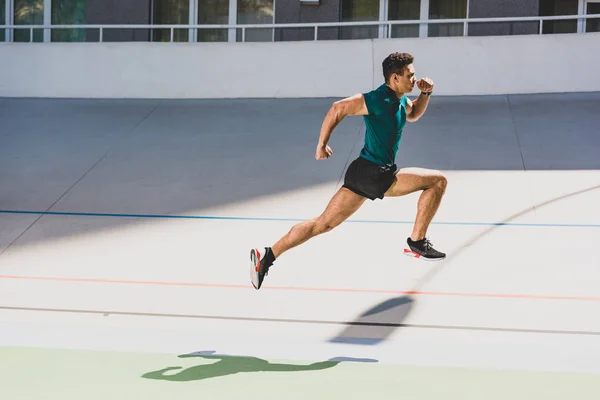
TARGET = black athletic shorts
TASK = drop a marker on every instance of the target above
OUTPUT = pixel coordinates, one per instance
(368, 179)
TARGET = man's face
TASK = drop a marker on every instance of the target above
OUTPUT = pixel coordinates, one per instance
(406, 81)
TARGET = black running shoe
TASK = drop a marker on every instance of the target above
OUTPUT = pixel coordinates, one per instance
(423, 249)
(259, 266)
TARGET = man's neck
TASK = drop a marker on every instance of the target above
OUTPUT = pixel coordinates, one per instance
(398, 94)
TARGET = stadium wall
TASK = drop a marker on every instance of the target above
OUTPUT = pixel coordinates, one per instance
(458, 65)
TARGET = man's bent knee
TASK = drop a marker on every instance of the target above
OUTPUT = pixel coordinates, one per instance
(441, 182)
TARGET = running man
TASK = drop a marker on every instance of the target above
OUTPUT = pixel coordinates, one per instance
(374, 174)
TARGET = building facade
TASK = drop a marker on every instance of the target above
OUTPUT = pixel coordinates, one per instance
(215, 12)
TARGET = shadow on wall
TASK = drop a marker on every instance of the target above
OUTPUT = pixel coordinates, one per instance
(230, 365)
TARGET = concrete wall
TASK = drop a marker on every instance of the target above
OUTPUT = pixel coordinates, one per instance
(459, 66)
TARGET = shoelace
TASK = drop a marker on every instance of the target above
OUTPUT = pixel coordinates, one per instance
(427, 244)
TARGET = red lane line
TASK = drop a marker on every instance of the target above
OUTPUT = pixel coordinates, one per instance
(292, 288)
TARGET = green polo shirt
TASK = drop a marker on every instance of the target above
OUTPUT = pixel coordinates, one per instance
(384, 125)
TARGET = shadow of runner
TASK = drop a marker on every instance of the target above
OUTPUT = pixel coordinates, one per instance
(381, 320)
(377, 323)
(229, 365)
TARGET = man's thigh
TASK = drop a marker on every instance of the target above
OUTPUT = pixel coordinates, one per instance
(343, 204)
(409, 180)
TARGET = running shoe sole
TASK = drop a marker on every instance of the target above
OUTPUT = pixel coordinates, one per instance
(254, 267)
(410, 253)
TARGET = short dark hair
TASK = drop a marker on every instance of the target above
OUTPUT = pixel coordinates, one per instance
(395, 63)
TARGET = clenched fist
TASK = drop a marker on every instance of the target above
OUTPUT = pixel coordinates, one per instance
(323, 152)
(425, 85)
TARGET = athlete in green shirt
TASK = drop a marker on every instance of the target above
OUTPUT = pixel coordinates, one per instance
(373, 175)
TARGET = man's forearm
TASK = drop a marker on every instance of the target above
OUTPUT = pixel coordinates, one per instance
(332, 119)
(419, 106)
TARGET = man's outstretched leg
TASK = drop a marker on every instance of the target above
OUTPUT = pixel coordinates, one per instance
(343, 204)
(433, 184)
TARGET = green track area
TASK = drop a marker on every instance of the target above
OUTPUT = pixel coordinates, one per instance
(36, 373)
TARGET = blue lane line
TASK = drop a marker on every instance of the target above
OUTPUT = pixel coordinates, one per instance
(214, 217)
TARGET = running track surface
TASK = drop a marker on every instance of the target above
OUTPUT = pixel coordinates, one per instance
(126, 226)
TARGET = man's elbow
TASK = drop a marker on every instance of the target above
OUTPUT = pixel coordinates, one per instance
(338, 110)
(412, 117)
